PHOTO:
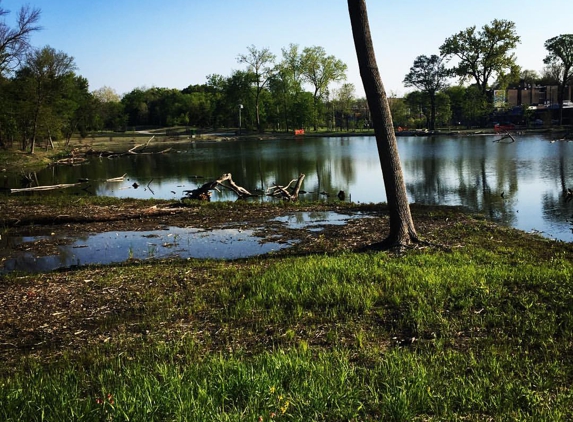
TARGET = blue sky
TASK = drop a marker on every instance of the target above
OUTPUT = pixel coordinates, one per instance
(126, 44)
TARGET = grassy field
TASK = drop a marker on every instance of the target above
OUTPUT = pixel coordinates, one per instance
(478, 329)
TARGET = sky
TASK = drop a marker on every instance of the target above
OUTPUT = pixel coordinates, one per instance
(128, 44)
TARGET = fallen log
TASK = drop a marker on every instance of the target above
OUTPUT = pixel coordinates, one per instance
(44, 188)
(71, 161)
(117, 179)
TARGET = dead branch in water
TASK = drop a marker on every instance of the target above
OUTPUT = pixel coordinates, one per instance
(203, 192)
(117, 179)
(507, 135)
(287, 192)
(44, 188)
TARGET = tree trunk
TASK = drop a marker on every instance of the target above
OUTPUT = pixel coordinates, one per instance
(315, 109)
(432, 111)
(402, 231)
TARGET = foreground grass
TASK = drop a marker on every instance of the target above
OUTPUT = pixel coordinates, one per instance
(481, 332)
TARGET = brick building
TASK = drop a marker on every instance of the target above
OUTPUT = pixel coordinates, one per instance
(536, 95)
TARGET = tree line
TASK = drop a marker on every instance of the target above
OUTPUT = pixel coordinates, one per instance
(43, 98)
(483, 57)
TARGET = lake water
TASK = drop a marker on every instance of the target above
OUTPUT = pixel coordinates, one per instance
(519, 184)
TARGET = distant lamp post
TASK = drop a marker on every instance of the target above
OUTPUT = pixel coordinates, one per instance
(240, 108)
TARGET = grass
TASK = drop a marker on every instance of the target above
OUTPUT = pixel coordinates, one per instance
(483, 332)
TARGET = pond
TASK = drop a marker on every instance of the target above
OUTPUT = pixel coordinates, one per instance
(519, 184)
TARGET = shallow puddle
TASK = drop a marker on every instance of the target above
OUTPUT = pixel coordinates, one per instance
(314, 220)
(171, 242)
(114, 247)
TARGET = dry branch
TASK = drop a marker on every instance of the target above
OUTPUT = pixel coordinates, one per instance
(283, 191)
(44, 188)
(203, 192)
(71, 161)
(117, 179)
(507, 135)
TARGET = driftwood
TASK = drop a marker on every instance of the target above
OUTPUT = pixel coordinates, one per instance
(117, 179)
(506, 135)
(132, 151)
(203, 193)
(44, 188)
(287, 192)
(71, 161)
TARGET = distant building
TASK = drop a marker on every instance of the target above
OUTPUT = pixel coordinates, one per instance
(535, 95)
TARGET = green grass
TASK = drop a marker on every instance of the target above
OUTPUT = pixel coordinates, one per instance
(483, 332)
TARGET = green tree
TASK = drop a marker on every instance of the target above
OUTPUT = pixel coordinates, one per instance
(286, 84)
(47, 72)
(551, 74)
(419, 105)
(402, 231)
(529, 77)
(456, 95)
(482, 54)
(429, 75)
(106, 94)
(320, 70)
(343, 101)
(560, 53)
(109, 111)
(15, 42)
(400, 111)
(135, 106)
(76, 107)
(443, 109)
(9, 114)
(475, 107)
(511, 78)
(200, 100)
(261, 65)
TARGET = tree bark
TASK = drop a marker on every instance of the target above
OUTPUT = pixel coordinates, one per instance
(402, 230)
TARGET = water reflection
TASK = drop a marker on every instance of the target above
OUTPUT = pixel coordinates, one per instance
(315, 220)
(519, 184)
(109, 247)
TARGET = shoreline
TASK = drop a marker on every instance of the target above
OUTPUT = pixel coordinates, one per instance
(14, 161)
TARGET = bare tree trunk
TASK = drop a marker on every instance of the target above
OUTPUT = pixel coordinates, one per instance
(402, 231)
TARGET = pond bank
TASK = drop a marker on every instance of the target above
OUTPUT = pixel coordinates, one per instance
(14, 161)
(474, 325)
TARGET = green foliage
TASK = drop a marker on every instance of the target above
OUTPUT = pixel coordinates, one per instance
(46, 95)
(482, 54)
(560, 57)
(429, 75)
(320, 70)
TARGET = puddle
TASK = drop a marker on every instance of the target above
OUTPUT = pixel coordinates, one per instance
(115, 247)
(314, 220)
(171, 242)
